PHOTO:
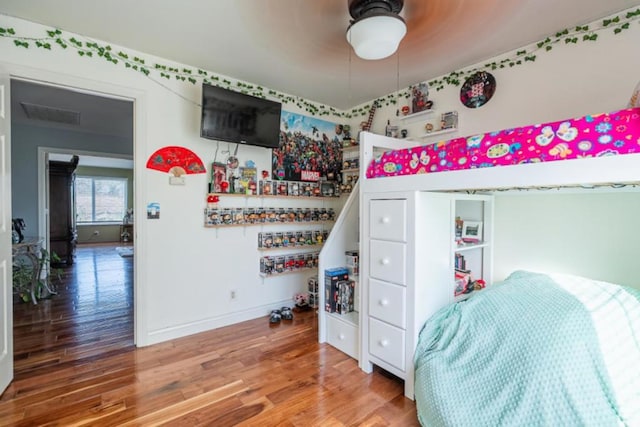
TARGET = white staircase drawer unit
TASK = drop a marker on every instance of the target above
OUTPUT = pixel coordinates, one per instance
(387, 302)
(343, 336)
(387, 261)
(386, 342)
(388, 220)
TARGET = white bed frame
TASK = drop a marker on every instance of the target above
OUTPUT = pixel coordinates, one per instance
(563, 173)
(594, 170)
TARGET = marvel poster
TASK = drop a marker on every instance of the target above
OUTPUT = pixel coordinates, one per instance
(310, 149)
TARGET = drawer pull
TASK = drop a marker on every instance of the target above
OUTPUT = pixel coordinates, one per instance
(383, 302)
(385, 220)
(383, 343)
(384, 261)
(341, 337)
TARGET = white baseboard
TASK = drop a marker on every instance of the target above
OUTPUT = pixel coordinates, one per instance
(180, 331)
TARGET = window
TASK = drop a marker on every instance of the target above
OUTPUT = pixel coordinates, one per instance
(100, 199)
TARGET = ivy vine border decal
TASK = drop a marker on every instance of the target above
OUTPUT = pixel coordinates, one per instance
(91, 49)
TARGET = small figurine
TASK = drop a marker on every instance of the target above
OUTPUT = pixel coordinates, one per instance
(212, 201)
(302, 301)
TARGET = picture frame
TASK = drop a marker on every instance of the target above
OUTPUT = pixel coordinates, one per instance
(449, 120)
(472, 231)
(391, 131)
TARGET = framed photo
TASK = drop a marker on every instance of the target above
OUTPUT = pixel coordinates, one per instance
(449, 120)
(472, 231)
(420, 98)
(391, 131)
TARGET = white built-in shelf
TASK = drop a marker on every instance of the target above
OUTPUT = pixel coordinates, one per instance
(437, 132)
(272, 196)
(297, 270)
(290, 247)
(253, 224)
(352, 317)
(469, 246)
(351, 148)
(416, 115)
(351, 170)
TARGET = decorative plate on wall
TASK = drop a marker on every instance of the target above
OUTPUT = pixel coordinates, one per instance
(478, 89)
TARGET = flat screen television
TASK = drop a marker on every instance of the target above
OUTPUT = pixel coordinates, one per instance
(237, 117)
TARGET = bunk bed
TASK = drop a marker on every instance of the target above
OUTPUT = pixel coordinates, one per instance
(594, 136)
(525, 378)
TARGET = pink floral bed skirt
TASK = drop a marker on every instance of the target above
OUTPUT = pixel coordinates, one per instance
(596, 135)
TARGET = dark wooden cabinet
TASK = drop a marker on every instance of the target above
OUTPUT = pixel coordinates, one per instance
(62, 219)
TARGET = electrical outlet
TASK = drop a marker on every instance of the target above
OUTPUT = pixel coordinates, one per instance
(96, 232)
(233, 294)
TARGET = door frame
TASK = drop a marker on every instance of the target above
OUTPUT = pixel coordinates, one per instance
(43, 182)
(138, 96)
(6, 249)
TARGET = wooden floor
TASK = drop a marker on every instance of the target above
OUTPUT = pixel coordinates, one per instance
(75, 364)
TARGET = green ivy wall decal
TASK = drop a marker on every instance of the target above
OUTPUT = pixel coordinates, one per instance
(90, 49)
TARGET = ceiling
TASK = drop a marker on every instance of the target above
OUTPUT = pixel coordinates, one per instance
(65, 108)
(53, 107)
(298, 46)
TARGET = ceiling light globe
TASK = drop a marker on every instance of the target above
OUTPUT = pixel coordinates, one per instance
(376, 37)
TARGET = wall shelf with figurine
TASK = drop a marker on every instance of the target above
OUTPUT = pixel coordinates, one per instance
(274, 196)
(291, 239)
(416, 115)
(437, 132)
(277, 188)
(275, 249)
(297, 270)
(286, 264)
(264, 223)
(228, 217)
(352, 170)
(351, 148)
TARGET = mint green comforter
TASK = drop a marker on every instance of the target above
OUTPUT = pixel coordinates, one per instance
(534, 350)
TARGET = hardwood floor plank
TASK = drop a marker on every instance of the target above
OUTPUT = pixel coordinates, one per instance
(76, 365)
(228, 412)
(179, 409)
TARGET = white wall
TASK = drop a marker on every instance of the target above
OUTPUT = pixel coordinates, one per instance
(590, 233)
(568, 81)
(184, 272)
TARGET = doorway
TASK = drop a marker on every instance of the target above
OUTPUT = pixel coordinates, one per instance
(55, 121)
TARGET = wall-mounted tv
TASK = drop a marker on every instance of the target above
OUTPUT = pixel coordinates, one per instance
(236, 117)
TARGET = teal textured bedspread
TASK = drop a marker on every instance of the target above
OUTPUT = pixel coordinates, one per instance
(534, 350)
